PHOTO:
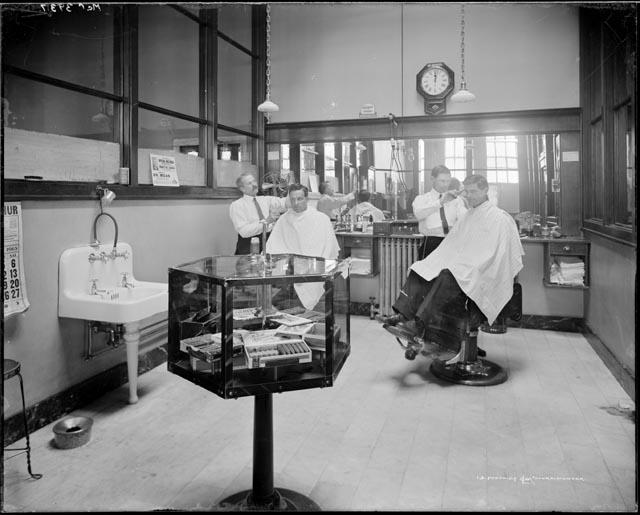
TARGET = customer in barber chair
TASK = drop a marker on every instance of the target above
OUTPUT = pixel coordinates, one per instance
(478, 260)
(305, 231)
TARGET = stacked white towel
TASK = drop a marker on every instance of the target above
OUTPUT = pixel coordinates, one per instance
(567, 270)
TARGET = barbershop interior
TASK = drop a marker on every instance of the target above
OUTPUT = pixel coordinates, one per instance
(152, 362)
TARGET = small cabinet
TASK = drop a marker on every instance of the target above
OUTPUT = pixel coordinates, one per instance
(566, 263)
(360, 247)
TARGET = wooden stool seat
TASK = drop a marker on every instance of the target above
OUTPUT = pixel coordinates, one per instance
(11, 368)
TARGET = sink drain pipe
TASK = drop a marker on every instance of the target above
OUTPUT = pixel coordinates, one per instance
(116, 335)
(113, 330)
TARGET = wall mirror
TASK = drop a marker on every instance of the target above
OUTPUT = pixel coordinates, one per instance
(521, 169)
(531, 159)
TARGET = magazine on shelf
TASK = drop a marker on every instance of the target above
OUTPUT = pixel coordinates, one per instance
(247, 313)
(289, 319)
(263, 337)
(294, 331)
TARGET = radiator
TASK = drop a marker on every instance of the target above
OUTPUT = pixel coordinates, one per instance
(396, 255)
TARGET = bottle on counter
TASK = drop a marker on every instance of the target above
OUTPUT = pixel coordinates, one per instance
(254, 246)
(358, 224)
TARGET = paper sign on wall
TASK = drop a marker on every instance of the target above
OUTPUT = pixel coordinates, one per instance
(163, 170)
(14, 284)
(569, 156)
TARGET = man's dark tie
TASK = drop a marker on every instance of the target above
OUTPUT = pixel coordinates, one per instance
(445, 225)
(260, 215)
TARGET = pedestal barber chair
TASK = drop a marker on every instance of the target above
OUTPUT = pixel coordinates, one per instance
(454, 327)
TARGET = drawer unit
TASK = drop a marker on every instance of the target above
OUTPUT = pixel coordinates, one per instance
(566, 264)
(359, 245)
(569, 248)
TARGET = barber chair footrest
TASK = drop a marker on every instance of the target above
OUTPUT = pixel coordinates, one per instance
(481, 372)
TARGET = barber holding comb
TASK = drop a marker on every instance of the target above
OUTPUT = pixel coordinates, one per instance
(438, 210)
(250, 212)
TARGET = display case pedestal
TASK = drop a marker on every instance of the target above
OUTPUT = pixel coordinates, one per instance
(264, 496)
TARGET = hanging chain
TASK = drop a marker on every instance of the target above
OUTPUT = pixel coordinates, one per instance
(462, 41)
(268, 51)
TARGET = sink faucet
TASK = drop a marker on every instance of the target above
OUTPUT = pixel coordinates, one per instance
(98, 257)
(94, 288)
(115, 239)
(115, 254)
(125, 280)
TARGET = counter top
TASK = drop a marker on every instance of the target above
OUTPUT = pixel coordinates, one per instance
(562, 239)
(523, 239)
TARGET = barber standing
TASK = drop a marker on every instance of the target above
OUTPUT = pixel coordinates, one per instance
(250, 212)
(328, 203)
(438, 210)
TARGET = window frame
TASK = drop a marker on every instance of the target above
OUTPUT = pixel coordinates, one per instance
(608, 84)
(127, 105)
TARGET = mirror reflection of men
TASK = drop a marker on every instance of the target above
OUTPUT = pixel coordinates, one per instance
(438, 210)
(305, 231)
(250, 212)
(328, 203)
(366, 208)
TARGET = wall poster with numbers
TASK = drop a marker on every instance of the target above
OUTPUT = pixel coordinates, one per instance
(13, 286)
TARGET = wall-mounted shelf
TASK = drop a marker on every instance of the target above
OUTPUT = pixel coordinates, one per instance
(575, 251)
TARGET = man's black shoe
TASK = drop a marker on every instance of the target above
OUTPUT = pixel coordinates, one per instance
(394, 319)
(408, 330)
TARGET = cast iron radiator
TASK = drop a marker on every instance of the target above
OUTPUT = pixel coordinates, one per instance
(396, 253)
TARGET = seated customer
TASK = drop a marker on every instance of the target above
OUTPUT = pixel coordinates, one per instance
(366, 208)
(305, 231)
(478, 259)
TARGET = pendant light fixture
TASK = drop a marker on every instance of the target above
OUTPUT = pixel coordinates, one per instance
(463, 94)
(268, 106)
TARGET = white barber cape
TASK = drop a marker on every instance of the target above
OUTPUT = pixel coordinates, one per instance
(484, 254)
(309, 233)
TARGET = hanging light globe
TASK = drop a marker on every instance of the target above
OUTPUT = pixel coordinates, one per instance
(268, 106)
(463, 94)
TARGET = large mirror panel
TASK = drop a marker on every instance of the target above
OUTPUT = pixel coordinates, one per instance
(522, 170)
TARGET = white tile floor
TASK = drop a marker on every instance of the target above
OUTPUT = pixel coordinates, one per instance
(387, 436)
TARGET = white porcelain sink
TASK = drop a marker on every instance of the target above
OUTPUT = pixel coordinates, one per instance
(111, 302)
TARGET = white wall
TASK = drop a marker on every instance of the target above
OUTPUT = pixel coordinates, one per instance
(329, 59)
(161, 233)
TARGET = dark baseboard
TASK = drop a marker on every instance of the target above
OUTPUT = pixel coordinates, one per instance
(549, 323)
(623, 375)
(54, 407)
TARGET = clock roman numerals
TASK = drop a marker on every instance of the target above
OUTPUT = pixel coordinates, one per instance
(435, 84)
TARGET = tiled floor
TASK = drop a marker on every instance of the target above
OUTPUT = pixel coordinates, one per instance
(387, 436)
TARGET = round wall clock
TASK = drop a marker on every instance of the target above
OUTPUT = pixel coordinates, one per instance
(435, 83)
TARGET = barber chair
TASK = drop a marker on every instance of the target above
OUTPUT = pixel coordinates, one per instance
(466, 367)
(453, 332)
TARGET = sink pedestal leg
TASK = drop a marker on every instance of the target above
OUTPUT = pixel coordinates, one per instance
(132, 341)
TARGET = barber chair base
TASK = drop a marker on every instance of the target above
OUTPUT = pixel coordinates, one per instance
(481, 372)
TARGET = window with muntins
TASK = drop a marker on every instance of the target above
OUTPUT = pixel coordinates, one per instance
(88, 91)
(608, 60)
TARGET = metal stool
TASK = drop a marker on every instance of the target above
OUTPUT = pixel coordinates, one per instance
(12, 368)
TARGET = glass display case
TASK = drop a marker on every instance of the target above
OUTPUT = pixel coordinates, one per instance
(257, 324)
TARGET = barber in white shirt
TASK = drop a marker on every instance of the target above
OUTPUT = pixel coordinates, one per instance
(437, 211)
(250, 212)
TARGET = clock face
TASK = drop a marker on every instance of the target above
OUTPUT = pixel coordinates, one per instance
(434, 81)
